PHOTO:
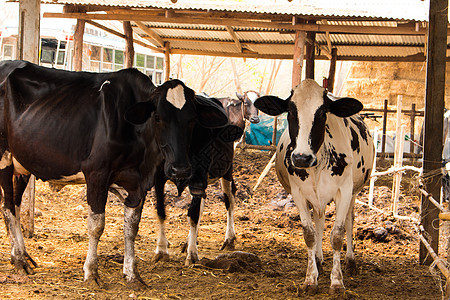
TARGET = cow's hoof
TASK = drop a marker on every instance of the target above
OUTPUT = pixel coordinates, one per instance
(228, 245)
(191, 260)
(350, 267)
(161, 256)
(22, 265)
(309, 289)
(94, 282)
(136, 284)
(337, 292)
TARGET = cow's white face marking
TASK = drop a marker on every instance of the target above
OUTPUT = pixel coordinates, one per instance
(176, 96)
(6, 160)
(307, 97)
(252, 96)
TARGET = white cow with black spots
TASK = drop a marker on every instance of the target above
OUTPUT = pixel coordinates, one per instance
(325, 154)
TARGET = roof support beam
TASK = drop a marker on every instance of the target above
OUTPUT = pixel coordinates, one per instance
(153, 35)
(243, 23)
(235, 38)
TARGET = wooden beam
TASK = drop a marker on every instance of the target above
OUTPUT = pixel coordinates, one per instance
(299, 53)
(376, 30)
(235, 38)
(230, 54)
(310, 53)
(29, 30)
(434, 112)
(332, 71)
(78, 45)
(153, 35)
(129, 47)
(112, 31)
(167, 61)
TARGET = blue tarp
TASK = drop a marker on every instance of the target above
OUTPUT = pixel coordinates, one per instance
(261, 133)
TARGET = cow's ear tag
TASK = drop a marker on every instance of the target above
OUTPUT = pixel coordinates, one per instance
(139, 113)
(272, 105)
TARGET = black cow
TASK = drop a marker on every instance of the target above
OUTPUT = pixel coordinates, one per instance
(110, 128)
(211, 156)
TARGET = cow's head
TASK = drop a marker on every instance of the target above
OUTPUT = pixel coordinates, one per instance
(307, 108)
(173, 111)
(249, 111)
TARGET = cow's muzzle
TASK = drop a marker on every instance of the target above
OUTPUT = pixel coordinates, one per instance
(304, 160)
(179, 172)
(254, 120)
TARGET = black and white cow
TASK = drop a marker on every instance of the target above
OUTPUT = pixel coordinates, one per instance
(211, 155)
(325, 154)
(104, 129)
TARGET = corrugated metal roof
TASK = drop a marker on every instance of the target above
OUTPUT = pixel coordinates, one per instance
(277, 42)
(385, 9)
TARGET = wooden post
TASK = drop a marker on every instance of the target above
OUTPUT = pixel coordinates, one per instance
(383, 137)
(167, 60)
(237, 82)
(332, 72)
(434, 111)
(299, 53)
(78, 45)
(28, 49)
(412, 131)
(398, 157)
(129, 46)
(310, 52)
(29, 30)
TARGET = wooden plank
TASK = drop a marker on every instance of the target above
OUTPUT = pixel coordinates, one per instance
(29, 30)
(167, 60)
(231, 54)
(299, 52)
(332, 71)
(434, 112)
(123, 36)
(310, 53)
(78, 45)
(153, 35)
(383, 137)
(129, 47)
(235, 38)
(376, 30)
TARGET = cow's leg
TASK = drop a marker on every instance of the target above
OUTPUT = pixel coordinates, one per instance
(343, 202)
(350, 263)
(309, 235)
(230, 235)
(194, 214)
(19, 255)
(97, 192)
(319, 221)
(132, 217)
(162, 246)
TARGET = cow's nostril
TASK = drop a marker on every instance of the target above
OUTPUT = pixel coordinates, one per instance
(254, 120)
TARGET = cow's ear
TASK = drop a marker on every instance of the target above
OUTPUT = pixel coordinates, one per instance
(139, 113)
(240, 97)
(272, 105)
(210, 113)
(345, 107)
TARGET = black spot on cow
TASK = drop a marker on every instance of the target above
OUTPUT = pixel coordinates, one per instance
(336, 162)
(362, 160)
(291, 169)
(327, 129)
(366, 177)
(345, 122)
(358, 165)
(281, 146)
(355, 140)
(363, 170)
(361, 126)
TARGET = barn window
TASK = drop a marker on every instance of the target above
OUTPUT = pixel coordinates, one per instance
(150, 63)
(107, 59)
(159, 63)
(118, 60)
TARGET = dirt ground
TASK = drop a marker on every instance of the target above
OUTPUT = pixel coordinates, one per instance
(267, 225)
